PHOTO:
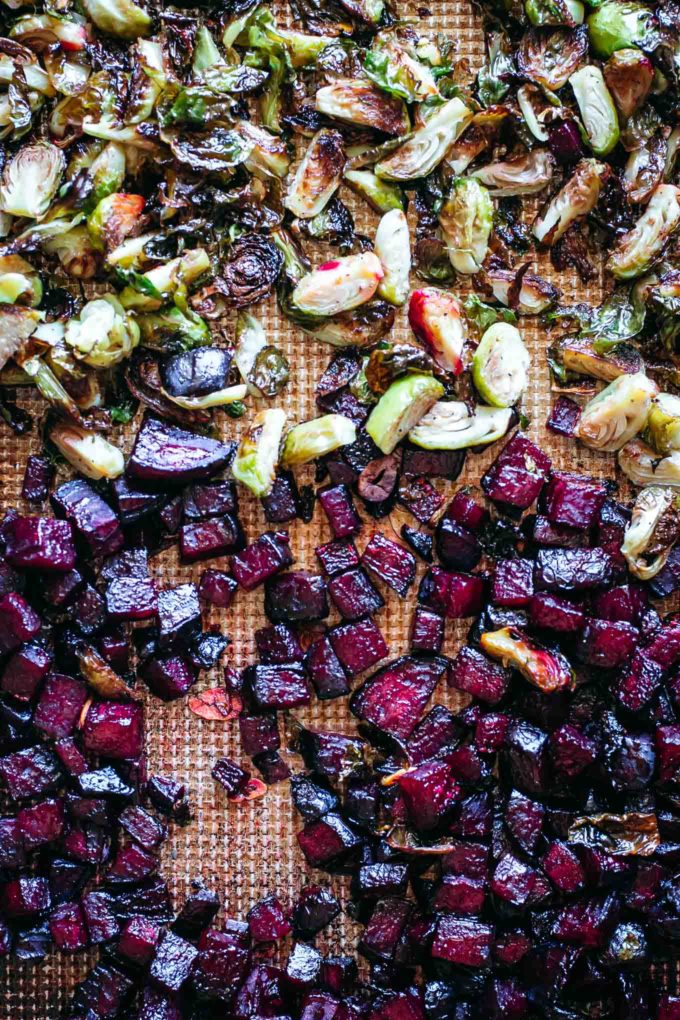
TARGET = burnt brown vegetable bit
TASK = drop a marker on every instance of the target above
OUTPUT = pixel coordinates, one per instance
(634, 833)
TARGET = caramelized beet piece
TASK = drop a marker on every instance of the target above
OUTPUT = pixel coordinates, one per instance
(40, 543)
(638, 682)
(214, 499)
(282, 503)
(60, 705)
(295, 597)
(391, 562)
(327, 840)
(131, 598)
(610, 530)
(325, 670)
(543, 532)
(18, 622)
(337, 556)
(114, 729)
(169, 797)
(473, 673)
(230, 776)
(587, 922)
(572, 570)
(12, 853)
(24, 897)
(427, 631)
(668, 753)
(459, 894)
(172, 963)
(432, 463)
(563, 868)
(394, 698)
(457, 548)
(101, 922)
(68, 928)
(165, 453)
(103, 993)
(92, 518)
(608, 643)
(217, 588)
(25, 671)
(462, 941)
(374, 881)
(420, 498)
(490, 732)
(526, 755)
(37, 479)
(354, 595)
(277, 645)
(340, 510)
(518, 474)
(564, 417)
(134, 504)
(438, 732)
(142, 827)
(311, 799)
(513, 583)
(315, 909)
(31, 772)
(429, 792)
(574, 500)
(421, 542)
(220, 965)
(62, 589)
(259, 733)
(179, 616)
(41, 823)
(358, 646)
(457, 596)
(268, 921)
(572, 750)
(524, 819)
(278, 687)
(138, 941)
(303, 966)
(206, 539)
(262, 559)
(384, 929)
(132, 864)
(169, 677)
(552, 612)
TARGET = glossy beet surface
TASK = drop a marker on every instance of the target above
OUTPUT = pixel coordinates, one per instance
(166, 454)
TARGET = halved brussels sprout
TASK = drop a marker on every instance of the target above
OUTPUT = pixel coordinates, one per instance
(548, 670)
(534, 104)
(379, 194)
(573, 201)
(261, 32)
(360, 327)
(393, 248)
(629, 75)
(663, 424)
(114, 218)
(19, 282)
(400, 408)
(617, 414)
(30, 180)
(318, 176)
(75, 251)
(315, 438)
(250, 340)
(206, 53)
(643, 465)
(131, 254)
(581, 355)
(635, 251)
(39, 31)
(270, 372)
(151, 289)
(17, 324)
(103, 334)
(87, 451)
(466, 219)
(268, 154)
(354, 101)
(644, 170)
(258, 452)
(652, 532)
(428, 145)
(555, 12)
(392, 68)
(535, 295)
(436, 318)
(619, 24)
(218, 398)
(596, 105)
(107, 172)
(121, 18)
(338, 285)
(480, 134)
(159, 330)
(522, 175)
(451, 425)
(500, 365)
(550, 57)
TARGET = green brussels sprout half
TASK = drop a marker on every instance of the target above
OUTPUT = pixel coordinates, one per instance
(87, 451)
(311, 439)
(338, 285)
(598, 112)
(380, 195)
(17, 324)
(171, 325)
(121, 18)
(643, 466)
(114, 218)
(663, 424)
(318, 176)
(581, 356)
(652, 532)
(75, 251)
(573, 201)
(393, 69)
(107, 173)
(451, 425)
(150, 289)
(258, 452)
(428, 145)
(629, 75)
(619, 24)
(356, 101)
(393, 248)
(500, 365)
(103, 334)
(250, 340)
(270, 371)
(19, 282)
(30, 180)
(206, 53)
(466, 219)
(637, 250)
(401, 408)
(524, 175)
(617, 413)
(555, 12)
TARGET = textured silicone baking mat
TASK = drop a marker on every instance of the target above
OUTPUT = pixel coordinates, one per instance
(244, 852)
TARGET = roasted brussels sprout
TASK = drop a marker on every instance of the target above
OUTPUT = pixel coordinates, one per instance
(250, 340)
(629, 75)
(30, 180)
(379, 194)
(548, 670)
(644, 170)
(270, 372)
(643, 465)
(17, 324)
(87, 451)
(258, 452)
(582, 356)
(121, 18)
(617, 414)
(392, 68)
(103, 334)
(114, 219)
(315, 438)
(338, 285)
(500, 365)
(149, 291)
(19, 282)
(526, 293)
(436, 318)
(597, 109)
(619, 24)
(466, 219)
(653, 530)
(400, 408)
(451, 425)
(523, 175)
(362, 102)
(318, 176)
(572, 202)
(550, 57)
(360, 327)
(663, 424)
(428, 145)
(75, 251)
(393, 248)
(555, 12)
(635, 251)
(172, 326)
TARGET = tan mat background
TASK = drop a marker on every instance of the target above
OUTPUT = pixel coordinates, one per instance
(244, 852)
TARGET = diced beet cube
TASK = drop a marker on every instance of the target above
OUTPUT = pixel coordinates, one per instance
(638, 682)
(259, 733)
(179, 615)
(608, 643)
(217, 588)
(375, 881)
(325, 670)
(131, 598)
(542, 532)
(220, 966)
(354, 595)
(11, 845)
(337, 556)
(138, 941)
(340, 510)
(100, 919)
(664, 647)
(394, 698)
(338, 975)
(524, 819)
(315, 909)
(68, 928)
(40, 543)
(391, 562)
(88, 611)
(278, 687)
(490, 732)
(169, 797)
(212, 499)
(37, 479)
(429, 791)
(470, 859)
(303, 966)
(92, 518)
(198, 911)
(564, 417)
(24, 897)
(626, 603)
(41, 823)
(526, 755)
(552, 612)
(513, 583)
(571, 750)
(427, 631)
(149, 899)
(268, 921)
(438, 732)
(143, 827)
(518, 474)
(358, 646)
(282, 503)
(18, 622)
(455, 595)
(277, 645)
(230, 776)
(457, 547)
(114, 729)
(432, 463)
(133, 504)
(203, 540)
(131, 864)
(459, 894)
(30, 772)
(421, 542)
(25, 671)
(574, 500)
(474, 673)
(513, 881)
(262, 559)
(272, 767)
(667, 581)
(668, 753)
(173, 962)
(384, 928)
(103, 993)
(295, 597)
(572, 570)
(462, 941)
(327, 840)
(168, 677)
(420, 498)
(62, 589)
(563, 868)
(587, 922)
(610, 529)
(60, 704)
(170, 515)
(103, 782)
(165, 453)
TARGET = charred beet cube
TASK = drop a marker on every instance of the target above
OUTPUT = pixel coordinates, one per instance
(18, 622)
(572, 570)
(170, 515)
(62, 589)
(473, 673)
(564, 417)
(268, 921)
(259, 733)
(668, 753)
(358, 646)
(427, 631)
(132, 864)
(329, 754)
(394, 698)
(92, 518)
(213, 499)
(198, 911)
(462, 941)
(490, 732)
(587, 922)
(571, 750)
(142, 827)
(432, 463)
(610, 530)
(68, 928)
(114, 729)
(552, 612)
(203, 540)
(272, 767)
(608, 643)
(295, 597)
(166, 454)
(37, 479)
(513, 881)
(100, 919)
(282, 503)
(421, 542)
(390, 562)
(60, 704)
(664, 646)
(518, 474)
(30, 772)
(230, 776)
(12, 854)
(138, 941)
(170, 798)
(437, 733)
(420, 498)
(220, 965)
(179, 615)
(134, 504)
(457, 547)
(524, 819)
(316, 907)
(277, 645)
(325, 670)
(278, 687)
(337, 556)
(626, 603)
(459, 894)
(543, 532)
(375, 881)
(340, 510)
(563, 868)
(526, 756)
(88, 612)
(168, 677)
(574, 500)
(131, 598)
(384, 929)
(429, 792)
(262, 559)
(24, 897)
(457, 596)
(354, 595)
(41, 823)
(303, 966)
(513, 583)
(638, 682)
(40, 543)
(25, 671)
(173, 963)
(217, 588)
(327, 841)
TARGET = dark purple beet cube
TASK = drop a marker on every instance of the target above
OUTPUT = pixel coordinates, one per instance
(92, 518)
(427, 631)
(490, 732)
(327, 840)
(624, 603)
(474, 673)
(25, 671)
(103, 993)
(11, 845)
(325, 670)
(544, 533)
(169, 797)
(88, 611)
(513, 583)
(203, 540)
(170, 515)
(259, 733)
(198, 911)
(337, 556)
(394, 699)
(459, 894)
(572, 570)
(114, 729)
(608, 643)
(167, 454)
(68, 928)
(457, 596)
(268, 921)
(664, 646)
(564, 417)
(173, 963)
(40, 543)
(131, 598)
(314, 910)
(132, 864)
(574, 500)
(526, 756)
(513, 881)
(437, 733)
(432, 463)
(303, 966)
(470, 859)
(330, 754)
(563, 868)
(217, 588)
(421, 542)
(571, 750)
(168, 677)
(220, 965)
(24, 897)
(278, 687)
(61, 589)
(277, 645)
(552, 612)
(429, 792)
(465, 510)
(420, 498)
(524, 819)
(457, 547)
(272, 767)
(60, 704)
(41, 823)
(262, 559)
(358, 646)
(100, 919)
(132, 503)
(518, 474)
(138, 941)
(384, 928)
(611, 528)
(230, 776)
(390, 562)
(587, 922)
(143, 827)
(38, 477)
(463, 941)
(668, 753)
(213, 499)
(126, 563)
(638, 682)
(282, 503)
(375, 881)
(340, 510)
(354, 595)
(179, 615)
(295, 597)
(18, 622)
(30, 772)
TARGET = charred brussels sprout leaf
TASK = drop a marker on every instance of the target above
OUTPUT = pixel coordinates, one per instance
(363, 103)
(523, 175)
(387, 362)
(270, 371)
(400, 408)
(466, 219)
(598, 112)
(171, 326)
(629, 75)
(653, 530)
(315, 438)
(103, 334)
(121, 18)
(550, 57)
(500, 366)
(252, 269)
(548, 670)
(632, 834)
(114, 219)
(663, 424)
(639, 248)
(617, 414)
(526, 292)
(394, 70)
(258, 452)
(147, 291)
(495, 78)
(482, 315)
(30, 180)
(572, 202)
(451, 425)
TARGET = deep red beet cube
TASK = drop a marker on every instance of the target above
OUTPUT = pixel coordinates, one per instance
(564, 417)
(327, 840)
(277, 645)
(340, 510)
(455, 595)
(211, 499)
(25, 671)
(518, 474)
(41, 823)
(638, 682)
(138, 941)
(513, 583)
(217, 588)
(268, 921)
(30, 772)
(91, 516)
(203, 540)
(524, 819)
(668, 753)
(358, 646)
(338, 555)
(553, 612)
(68, 927)
(24, 897)
(375, 881)
(61, 589)
(394, 699)
(572, 570)
(132, 863)
(143, 827)
(490, 732)
(437, 733)
(575, 500)
(12, 853)
(429, 792)
(563, 868)
(384, 928)
(354, 595)
(179, 615)
(173, 963)
(230, 776)
(459, 894)
(169, 677)
(278, 687)
(572, 750)
(114, 729)
(513, 881)
(18, 622)
(295, 597)
(165, 453)
(220, 966)
(282, 504)
(608, 643)
(71, 756)
(60, 704)
(37, 479)
(325, 670)
(131, 598)
(587, 922)
(471, 859)
(102, 925)
(427, 631)
(420, 498)
(259, 733)
(40, 543)
(474, 673)
(543, 532)
(462, 941)
(262, 559)
(303, 966)
(390, 562)
(664, 646)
